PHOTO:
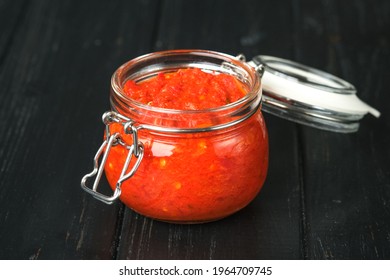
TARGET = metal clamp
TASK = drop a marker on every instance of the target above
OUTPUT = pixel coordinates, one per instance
(136, 149)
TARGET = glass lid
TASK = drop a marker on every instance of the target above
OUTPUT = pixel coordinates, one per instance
(310, 96)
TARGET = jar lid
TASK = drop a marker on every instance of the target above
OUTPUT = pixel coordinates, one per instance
(310, 96)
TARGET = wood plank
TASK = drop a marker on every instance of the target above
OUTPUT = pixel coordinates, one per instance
(55, 86)
(11, 13)
(269, 228)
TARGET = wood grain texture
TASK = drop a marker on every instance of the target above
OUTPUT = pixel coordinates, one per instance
(54, 89)
(346, 191)
(327, 195)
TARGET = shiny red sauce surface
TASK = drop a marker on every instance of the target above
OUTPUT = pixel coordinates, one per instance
(186, 89)
(194, 177)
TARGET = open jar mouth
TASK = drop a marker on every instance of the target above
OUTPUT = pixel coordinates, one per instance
(149, 65)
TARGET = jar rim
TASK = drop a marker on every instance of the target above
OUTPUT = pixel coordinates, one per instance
(254, 91)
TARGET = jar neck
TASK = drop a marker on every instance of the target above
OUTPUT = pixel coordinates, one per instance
(169, 120)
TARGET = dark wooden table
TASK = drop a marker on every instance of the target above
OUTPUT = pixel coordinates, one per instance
(327, 195)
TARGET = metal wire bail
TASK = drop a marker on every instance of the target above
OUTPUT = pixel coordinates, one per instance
(136, 149)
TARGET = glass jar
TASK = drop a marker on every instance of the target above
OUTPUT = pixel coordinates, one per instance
(192, 166)
(183, 166)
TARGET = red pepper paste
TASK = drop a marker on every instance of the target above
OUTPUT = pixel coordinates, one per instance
(186, 89)
(192, 177)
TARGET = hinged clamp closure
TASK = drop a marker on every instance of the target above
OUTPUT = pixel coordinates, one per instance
(135, 149)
